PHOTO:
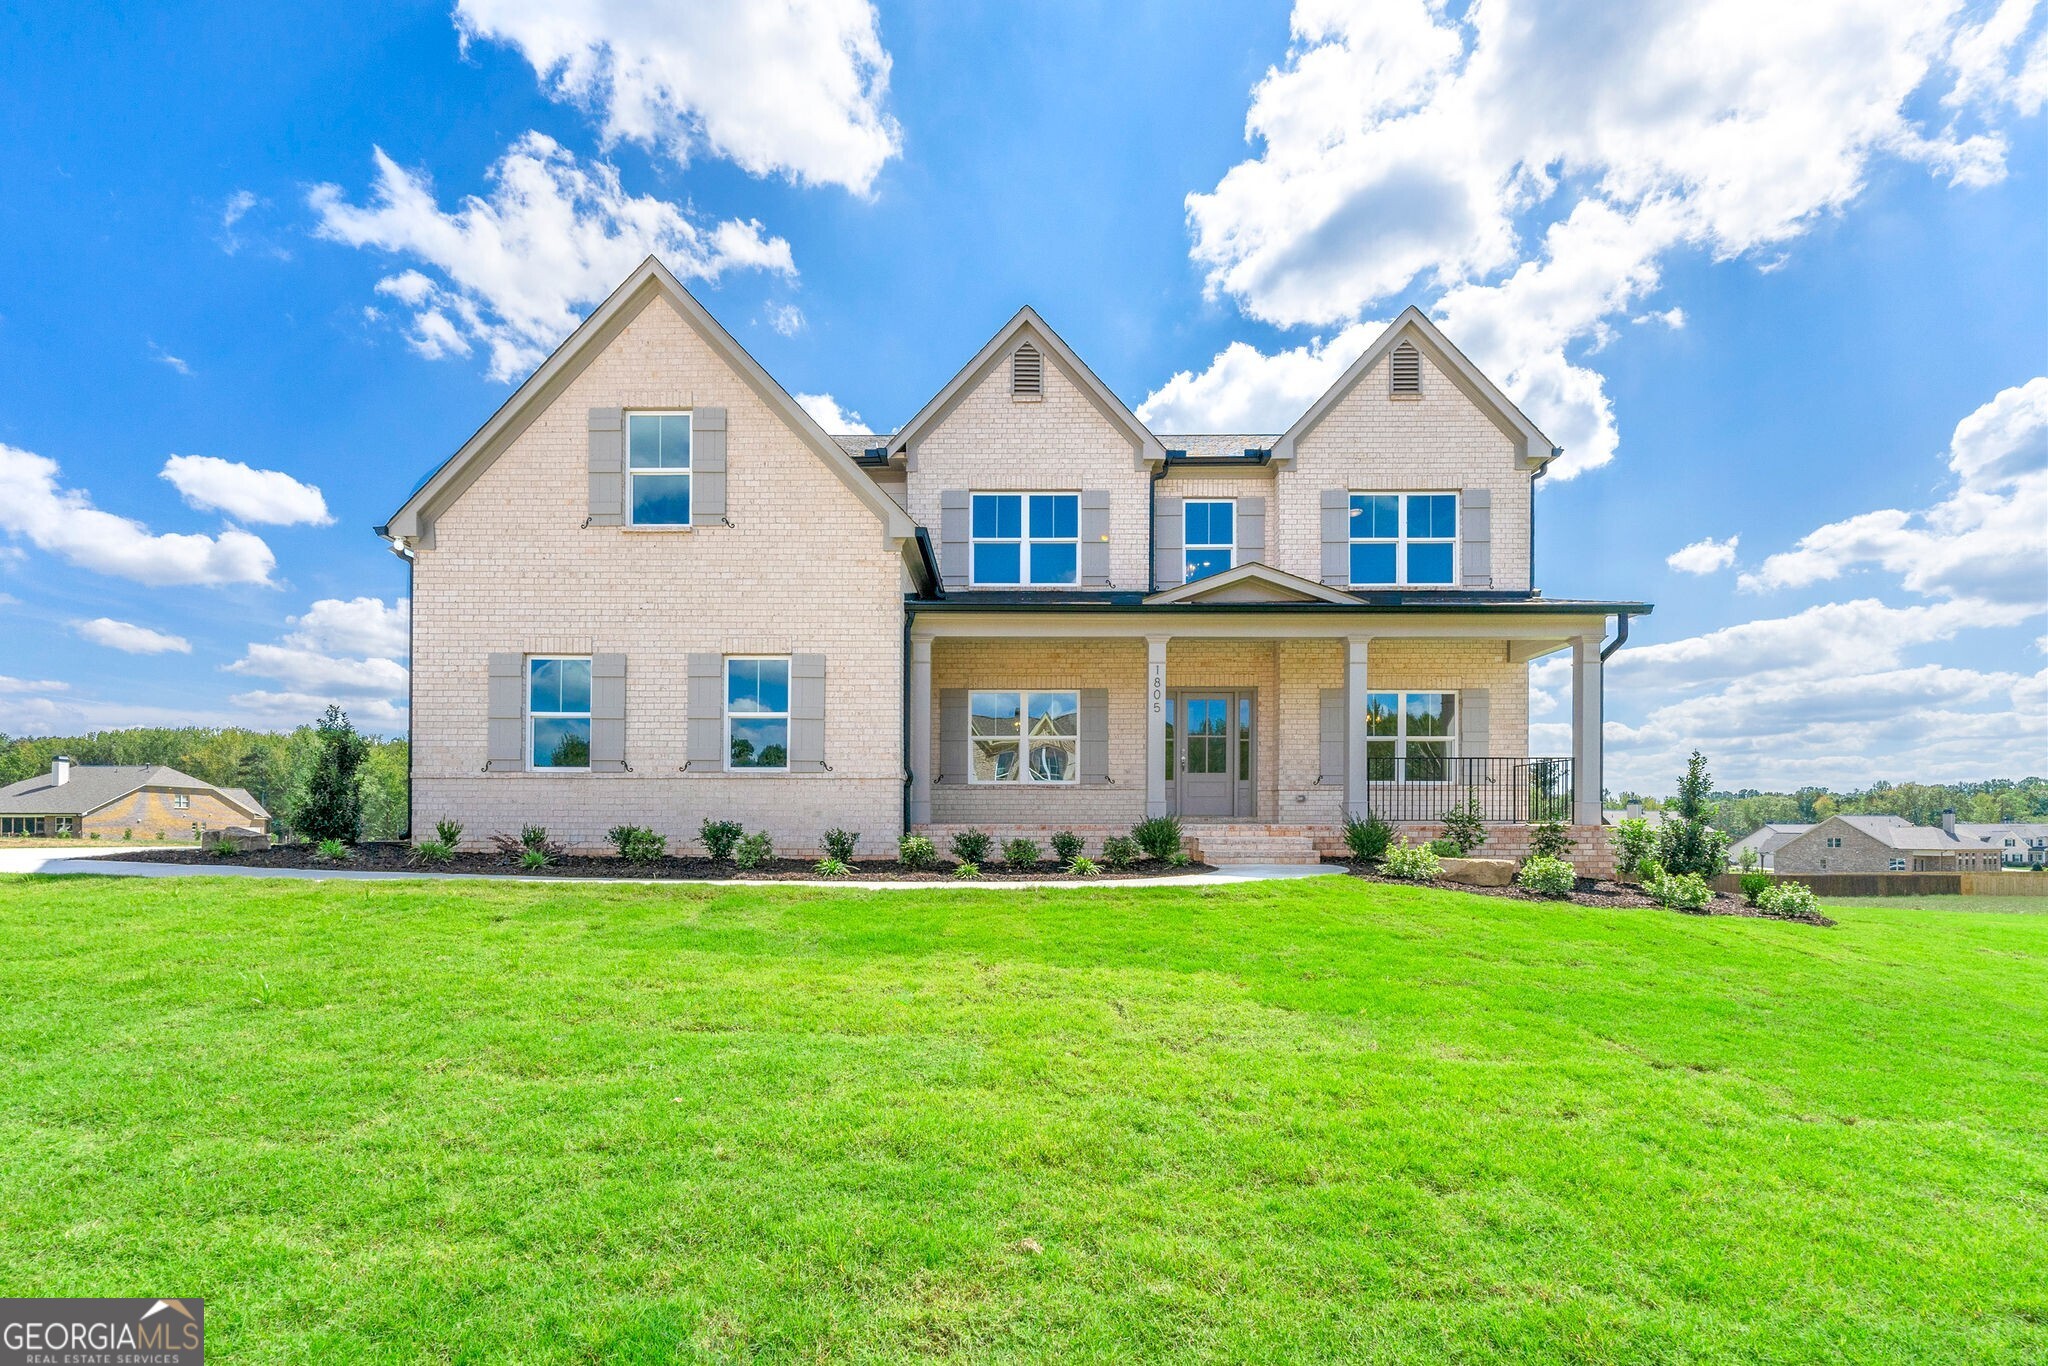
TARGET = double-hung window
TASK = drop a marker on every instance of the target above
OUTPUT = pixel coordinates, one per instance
(1025, 737)
(181, 801)
(1026, 539)
(658, 469)
(1402, 539)
(558, 712)
(1410, 737)
(1209, 532)
(757, 714)
(1898, 865)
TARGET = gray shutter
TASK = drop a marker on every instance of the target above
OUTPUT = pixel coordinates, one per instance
(1330, 737)
(707, 467)
(1095, 538)
(1337, 537)
(1475, 536)
(1169, 559)
(607, 713)
(807, 713)
(1251, 531)
(507, 713)
(1475, 723)
(607, 467)
(956, 523)
(705, 750)
(1094, 737)
(953, 757)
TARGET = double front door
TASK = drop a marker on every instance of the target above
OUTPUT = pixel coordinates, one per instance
(1209, 752)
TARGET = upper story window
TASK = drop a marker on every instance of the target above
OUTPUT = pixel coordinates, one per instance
(1410, 737)
(558, 712)
(658, 469)
(1026, 539)
(1027, 372)
(1400, 539)
(757, 714)
(1029, 737)
(181, 801)
(1404, 371)
(1834, 841)
(1898, 865)
(1209, 527)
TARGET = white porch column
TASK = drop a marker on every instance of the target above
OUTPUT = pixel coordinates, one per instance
(919, 759)
(1156, 803)
(1355, 650)
(1588, 714)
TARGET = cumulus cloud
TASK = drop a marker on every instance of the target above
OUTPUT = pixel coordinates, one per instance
(339, 649)
(212, 484)
(1246, 390)
(832, 417)
(17, 686)
(130, 638)
(361, 626)
(63, 522)
(515, 271)
(285, 710)
(795, 88)
(1705, 556)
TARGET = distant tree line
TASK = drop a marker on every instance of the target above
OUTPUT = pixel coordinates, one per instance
(1989, 802)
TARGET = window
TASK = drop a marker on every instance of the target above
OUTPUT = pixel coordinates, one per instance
(658, 469)
(1027, 538)
(1404, 538)
(757, 715)
(1210, 534)
(1898, 865)
(1410, 737)
(181, 801)
(63, 825)
(558, 712)
(1029, 737)
(21, 825)
(1404, 370)
(1834, 841)
(1027, 372)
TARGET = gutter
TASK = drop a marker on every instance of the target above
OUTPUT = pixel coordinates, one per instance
(1531, 607)
(1620, 637)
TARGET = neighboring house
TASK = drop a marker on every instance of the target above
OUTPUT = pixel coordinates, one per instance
(652, 589)
(2021, 844)
(1766, 840)
(1881, 844)
(112, 800)
(1634, 812)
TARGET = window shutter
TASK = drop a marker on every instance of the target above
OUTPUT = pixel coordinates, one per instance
(607, 713)
(807, 714)
(1169, 561)
(1251, 531)
(953, 758)
(1330, 737)
(1475, 723)
(1094, 737)
(1095, 538)
(1337, 537)
(956, 510)
(705, 749)
(707, 467)
(607, 467)
(507, 712)
(1475, 537)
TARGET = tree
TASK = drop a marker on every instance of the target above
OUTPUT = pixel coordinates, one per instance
(333, 804)
(1686, 843)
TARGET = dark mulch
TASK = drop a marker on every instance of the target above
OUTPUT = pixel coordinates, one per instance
(394, 857)
(1589, 892)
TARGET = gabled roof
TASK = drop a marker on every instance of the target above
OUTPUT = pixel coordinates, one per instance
(1770, 838)
(1251, 583)
(1414, 325)
(1028, 325)
(92, 786)
(649, 281)
(1902, 834)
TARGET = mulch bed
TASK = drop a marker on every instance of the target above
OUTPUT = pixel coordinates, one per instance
(395, 856)
(1589, 892)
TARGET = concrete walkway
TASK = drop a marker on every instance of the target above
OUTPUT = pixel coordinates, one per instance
(110, 863)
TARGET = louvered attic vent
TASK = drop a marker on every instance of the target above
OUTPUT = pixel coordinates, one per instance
(1407, 369)
(1027, 372)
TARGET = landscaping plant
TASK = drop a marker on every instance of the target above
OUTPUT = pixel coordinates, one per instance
(1021, 854)
(1414, 862)
(1082, 867)
(720, 838)
(1552, 840)
(972, 846)
(1634, 841)
(753, 851)
(1546, 875)
(1688, 844)
(428, 853)
(1367, 839)
(531, 859)
(1754, 885)
(330, 851)
(636, 843)
(1446, 848)
(1681, 891)
(967, 870)
(1789, 900)
(1747, 859)
(831, 867)
(917, 853)
(839, 844)
(448, 832)
(1159, 837)
(333, 804)
(1121, 851)
(1464, 828)
(1066, 846)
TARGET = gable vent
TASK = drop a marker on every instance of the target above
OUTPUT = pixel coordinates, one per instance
(1406, 369)
(1027, 372)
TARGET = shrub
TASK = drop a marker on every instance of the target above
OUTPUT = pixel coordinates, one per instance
(1367, 839)
(536, 837)
(1788, 900)
(94, 835)
(1546, 876)
(1552, 840)
(427, 853)
(1681, 891)
(831, 867)
(720, 837)
(973, 846)
(448, 832)
(536, 858)
(1178, 859)
(967, 870)
(1688, 844)
(332, 808)
(917, 853)
(636, 843)
(1747, 859)
(1066, 846)
(1082, 867)
(128, 834)
(330, 851)
(754, 850)
(1463, 828)
(159, 834)
(1121, 851)
(1021, 853)
(1634, 841)
(1415, 862)
(839, 844)
(1754, 885)
(1446, 848)
(1159, 837)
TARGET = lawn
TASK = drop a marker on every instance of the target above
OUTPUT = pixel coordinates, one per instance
(1289, 1121)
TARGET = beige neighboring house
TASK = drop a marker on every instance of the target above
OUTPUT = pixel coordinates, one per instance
(2021, 844)
(1882, 844)
(1766, 840)
(652, 590)
(110, 800)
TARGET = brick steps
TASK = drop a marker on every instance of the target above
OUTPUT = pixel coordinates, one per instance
(1224, 845)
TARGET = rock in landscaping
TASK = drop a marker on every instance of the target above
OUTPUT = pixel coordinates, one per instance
(242, 839)
(1479, 872)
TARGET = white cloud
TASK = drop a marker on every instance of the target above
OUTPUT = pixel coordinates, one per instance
(1245, 390)
(786, 319)
(362, 626)
(1703, 556)
(63, 522)
(234, 211)
(517, 269)
(130, 638)
(289, 710)
(346, 651)
(1673, 318)
(15, 686)
(164, 357)
(308, 669)
(211, 484)
(794, 88)
(833, 418)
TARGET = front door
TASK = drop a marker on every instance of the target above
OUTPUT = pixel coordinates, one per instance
(1213, 730)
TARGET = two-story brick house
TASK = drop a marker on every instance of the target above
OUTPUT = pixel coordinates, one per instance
(651, 589)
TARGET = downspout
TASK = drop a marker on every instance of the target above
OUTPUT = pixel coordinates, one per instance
(404, 552)
(1541, 470)
(908, 613)
(1152, 531)
(1620, 637)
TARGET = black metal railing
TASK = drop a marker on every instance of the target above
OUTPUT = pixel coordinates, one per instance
(1505, 791)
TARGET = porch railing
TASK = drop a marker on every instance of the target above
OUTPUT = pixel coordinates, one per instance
(1506, 791)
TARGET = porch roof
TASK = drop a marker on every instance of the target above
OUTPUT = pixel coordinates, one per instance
(1040, 601)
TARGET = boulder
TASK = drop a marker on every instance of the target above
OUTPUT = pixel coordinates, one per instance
(243, 839)
(1480, 872)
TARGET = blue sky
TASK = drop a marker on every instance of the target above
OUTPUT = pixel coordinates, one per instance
(1777, 281)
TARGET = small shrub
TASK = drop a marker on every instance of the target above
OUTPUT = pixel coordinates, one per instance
(1747, 861)
(94, 835)
(1463, 828)
(1754, 885)
(1681, 891)
(831, 867)
(1685, 842)
(720, 838)
(1121, 851)
(159, 834)
(1634, 842)
(219, 849)
(1159, 837)
(1446, 848)
(1414, 862)
(1083, 867)
(1066, 846)
(754, 850)
(128, 834)
(1178, 859)
(1788, 900)
(1649, 871)
(1552, 840)
(1021, 854)
(1546, 876)
(839, 844)
(448, 832)
(917, 853)
(967, 870)
(973, 846)
(1367, 839)
(636, 843)
(330, 851)
(531, 859)
(429, 853)
(536, 837)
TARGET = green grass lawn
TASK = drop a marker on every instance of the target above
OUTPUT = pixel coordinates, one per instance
(1289, 1121)
(2010, 905)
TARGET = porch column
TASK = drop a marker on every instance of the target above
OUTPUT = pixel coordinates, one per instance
(1156, 803)
(1355, 650)
(1588, 713)
(919, 760)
